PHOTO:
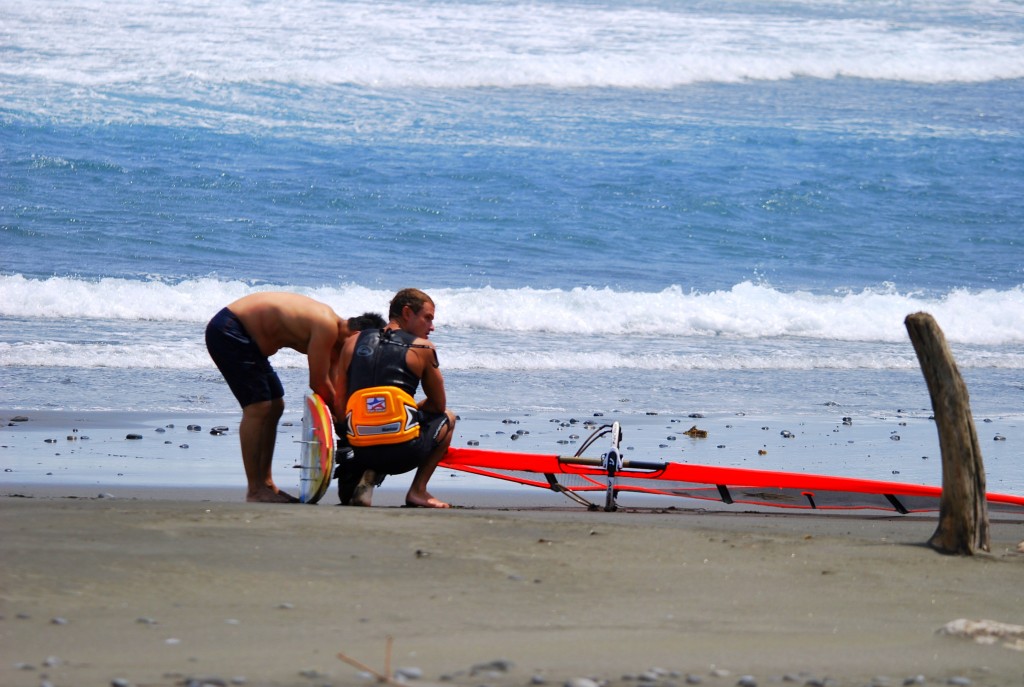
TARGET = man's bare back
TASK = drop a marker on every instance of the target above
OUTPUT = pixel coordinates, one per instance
(279, 320)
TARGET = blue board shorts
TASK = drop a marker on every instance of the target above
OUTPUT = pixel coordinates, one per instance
(247, 371)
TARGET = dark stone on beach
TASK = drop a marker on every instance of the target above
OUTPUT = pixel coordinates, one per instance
(50, 441)
(217, 431)
(195, 428)
(786, 434)
(999, 437)
(697, 416)
(134, 437)
(499, 665)
(19, 418)
(183, 446)
(160, 430)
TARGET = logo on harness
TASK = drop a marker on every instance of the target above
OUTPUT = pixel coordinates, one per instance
(381, 415)
(376, 404)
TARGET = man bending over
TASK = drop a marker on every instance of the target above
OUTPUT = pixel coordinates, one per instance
(242, 337)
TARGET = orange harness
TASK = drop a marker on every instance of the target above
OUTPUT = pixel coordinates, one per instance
(381, 415)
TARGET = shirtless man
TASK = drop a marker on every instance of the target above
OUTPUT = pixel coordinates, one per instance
(242, 337)
(389, 432)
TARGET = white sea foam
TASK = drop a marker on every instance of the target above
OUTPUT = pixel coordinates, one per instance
(748, 310)
(155, 50)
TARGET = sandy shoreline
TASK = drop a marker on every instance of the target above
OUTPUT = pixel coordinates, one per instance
(157, 584)
(156, 591)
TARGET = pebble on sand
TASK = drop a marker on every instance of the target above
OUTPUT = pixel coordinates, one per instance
(581, 682)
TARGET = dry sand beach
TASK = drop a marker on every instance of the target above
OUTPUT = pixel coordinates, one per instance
(189, 585)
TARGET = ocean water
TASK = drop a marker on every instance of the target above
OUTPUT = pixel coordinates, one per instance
(722, 208)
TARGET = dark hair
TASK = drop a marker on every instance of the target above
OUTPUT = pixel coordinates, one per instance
(368, 320)
(414, 298)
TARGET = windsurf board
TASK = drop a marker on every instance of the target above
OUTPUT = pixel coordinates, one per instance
(316, 459)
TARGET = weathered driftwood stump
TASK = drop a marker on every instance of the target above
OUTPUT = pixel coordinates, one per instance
(963, 509)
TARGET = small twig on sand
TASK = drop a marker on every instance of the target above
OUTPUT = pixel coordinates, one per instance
(384, 677)
(381, 677)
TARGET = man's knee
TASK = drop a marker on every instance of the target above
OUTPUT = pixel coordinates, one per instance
(264, 410)
(448, 431)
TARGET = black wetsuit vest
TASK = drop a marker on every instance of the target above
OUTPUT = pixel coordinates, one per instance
(379, 360)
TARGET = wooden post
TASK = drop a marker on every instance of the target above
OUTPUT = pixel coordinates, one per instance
(963, 510)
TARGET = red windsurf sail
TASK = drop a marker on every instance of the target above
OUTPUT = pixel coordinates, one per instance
(579, 478)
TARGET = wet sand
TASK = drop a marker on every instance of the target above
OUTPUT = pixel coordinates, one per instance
(163, 586)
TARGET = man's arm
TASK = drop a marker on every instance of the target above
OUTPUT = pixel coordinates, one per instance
(341, 381)
(431, 379)
(322, 339)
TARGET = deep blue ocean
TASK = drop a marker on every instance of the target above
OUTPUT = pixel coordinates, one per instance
(630, 207)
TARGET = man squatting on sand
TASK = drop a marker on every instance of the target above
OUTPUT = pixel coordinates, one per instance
(389, 432)
(242, 337)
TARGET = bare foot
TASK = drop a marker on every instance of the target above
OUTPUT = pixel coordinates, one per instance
(269, 495)
(424, 501)
(362, 495)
